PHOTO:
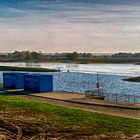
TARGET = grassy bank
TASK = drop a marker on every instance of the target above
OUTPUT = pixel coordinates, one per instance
(64, 122)
(108, 60)
(133, 79)
(28, 69)
(85, 60)
(94, 60)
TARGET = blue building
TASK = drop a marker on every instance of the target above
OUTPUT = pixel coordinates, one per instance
(13, 80)
(38, 83)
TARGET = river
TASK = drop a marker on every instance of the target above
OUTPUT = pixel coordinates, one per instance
(83, 77)
(113, 69)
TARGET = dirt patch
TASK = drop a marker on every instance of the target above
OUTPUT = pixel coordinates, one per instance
(15, 127)
(17, 124)
(32, 124)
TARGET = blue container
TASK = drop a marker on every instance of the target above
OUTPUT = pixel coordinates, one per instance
(13, 80)
(38, 83)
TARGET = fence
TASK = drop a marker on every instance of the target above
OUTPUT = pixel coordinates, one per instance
(115, 97)
(113, 87)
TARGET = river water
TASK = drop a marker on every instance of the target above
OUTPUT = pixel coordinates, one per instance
(83, 77)
(113, 69)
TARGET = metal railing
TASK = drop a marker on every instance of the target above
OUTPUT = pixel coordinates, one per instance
(112, 86)
(115, 97)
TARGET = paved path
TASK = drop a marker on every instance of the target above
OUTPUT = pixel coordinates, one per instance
(80, 102)
(83, 98)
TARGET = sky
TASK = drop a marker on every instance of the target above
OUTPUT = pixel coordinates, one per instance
(97, 26)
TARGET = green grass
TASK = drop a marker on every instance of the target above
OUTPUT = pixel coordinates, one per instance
(95, 60)
(1, 84)
(77, 120)
(107, 60)
(101, 60)
(28, 69)
(133, 79)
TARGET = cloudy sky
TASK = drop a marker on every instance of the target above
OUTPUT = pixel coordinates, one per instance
(70, 25)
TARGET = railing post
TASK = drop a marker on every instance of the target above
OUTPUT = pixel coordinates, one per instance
(125, 98)
(116, 97)
(134, 99)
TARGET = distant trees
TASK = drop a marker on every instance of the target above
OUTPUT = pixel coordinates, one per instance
(86, 55)
(16, 55)
(72, 56)
(35, 55)
(25, 55)
(126, 55)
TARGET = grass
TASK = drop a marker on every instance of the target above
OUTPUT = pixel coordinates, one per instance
(87, 60)
(1, 84)
(108, 60)
(99, 60)
(75, 120)
(133, 79)
(28, 69)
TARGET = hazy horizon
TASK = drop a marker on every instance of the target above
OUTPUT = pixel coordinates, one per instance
(96, 26)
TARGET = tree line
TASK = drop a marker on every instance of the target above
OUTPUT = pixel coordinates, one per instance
(39, 56)
(33, 55)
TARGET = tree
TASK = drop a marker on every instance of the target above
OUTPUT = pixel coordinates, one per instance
(72, 56)
(16, 55)
(35, 55)
(27, 55)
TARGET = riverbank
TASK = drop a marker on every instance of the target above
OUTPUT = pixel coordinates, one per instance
(98, 60)
(29, 119)
(133, 79)
(83, 102)
(28, 69)
(107, 61)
